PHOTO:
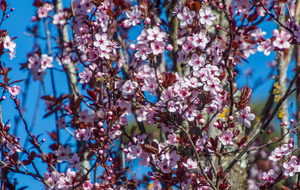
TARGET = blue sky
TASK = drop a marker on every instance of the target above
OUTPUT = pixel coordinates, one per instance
(16, 26)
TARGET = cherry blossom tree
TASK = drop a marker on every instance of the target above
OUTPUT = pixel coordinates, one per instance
(175, 75)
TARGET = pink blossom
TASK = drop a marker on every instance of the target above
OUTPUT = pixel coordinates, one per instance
(63, 153)
(269, 177)
(135, 151)
(177, 8)
(213, 86)
(133, 16)
(143, 37)
(34, 62)
(15, 90)
(243, 6)
(173, 157)
(8, 44)
(46, 61)
(226, 138)
(279, 152)
(101, 41)
(164, 166)
(42, 12)
(258, 34)
(281, 39)
(246, 116)
(156, 34)
(128, 88)
(87, 185)
(84, 116)
(172, 139)
(113, 135)
(200, 40)
(143, 51)
(61, 123)
(190, 113)
(85, 75)
(190, 164)
(83, 134)
(150, 84)
(291, 167)
(145, 159)
(181, 56)
(197, 61)
(158, 47)
(123, 121)
(187, 46)
(206, 16)
(75, 162)
(266, 47)
(13, 148)
(103, 19)
(38, 74)
(60, 18)
(186, 17)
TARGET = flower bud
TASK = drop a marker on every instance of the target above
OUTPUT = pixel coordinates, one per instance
(157, 24)
(230, 118)
(292, 121)
(125, 150)
(100, 151)
(33, 19)
(169, 47)
(108, 178)
(201, 121)
(132, 47)
(216, 124)
(147, 20)
(153, 177)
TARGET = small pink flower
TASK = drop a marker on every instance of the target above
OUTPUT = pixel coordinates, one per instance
(133, 16)
(164, 166)
(75, 162)
(15, 90)
(87, 185)
(291, 167)
(63, 154)
(128, 88)
(246, 116)
(206, 16)
(186, 17)
(190, 164)
(156, 34)
(60, 18)
(85, 75)
(281, 40)
(61, 123)
(270, 176)
(46, 61)
(158, 47)
(226, 138)
(172, 139)
(266, 47)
